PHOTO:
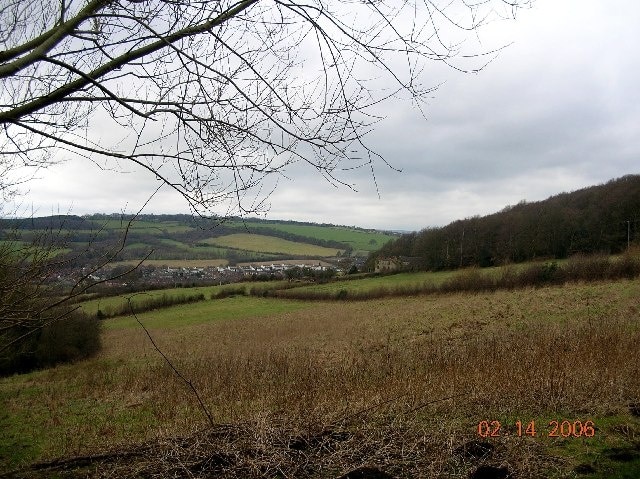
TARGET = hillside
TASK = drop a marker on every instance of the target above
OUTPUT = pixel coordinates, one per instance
(600, 218)
(184, 238)
(405, 384)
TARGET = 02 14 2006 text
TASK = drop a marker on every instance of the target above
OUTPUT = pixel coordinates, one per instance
(554, 428)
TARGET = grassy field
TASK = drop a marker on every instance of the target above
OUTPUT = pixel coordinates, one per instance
(315, 389)
(364, 285)
(199, 248)
(150, 227)
(181, 249)
(359, 240)
(179, 240)
(227, 309)
(20, 247)
(213, 251)
(271, 244)
(113, 302)
(174, 243)
(138, 246)
(13, 245)
(116, 302)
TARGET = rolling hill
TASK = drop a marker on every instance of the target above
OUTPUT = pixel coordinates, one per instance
(183, 238)
(598, 219)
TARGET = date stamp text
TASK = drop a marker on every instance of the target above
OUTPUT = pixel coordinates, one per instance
(554, 428)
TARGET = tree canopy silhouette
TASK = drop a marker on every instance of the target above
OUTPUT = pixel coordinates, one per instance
(212, 96)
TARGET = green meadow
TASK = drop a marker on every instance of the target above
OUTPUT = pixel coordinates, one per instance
(360, 240)
(150, 227)
(271, 244)
(370, 284)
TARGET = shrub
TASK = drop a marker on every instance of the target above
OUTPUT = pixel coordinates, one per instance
(74, 337)
(508, 278)
(33, 332)
(229, 291)
(539, 275)
(469, 280)
(149, 304)
(588, 268)
(342, 294)
(626, 267)
(70, 339)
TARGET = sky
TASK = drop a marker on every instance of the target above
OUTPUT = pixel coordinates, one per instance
(557, 110)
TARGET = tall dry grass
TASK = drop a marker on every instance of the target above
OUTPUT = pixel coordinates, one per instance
(431, 367)
(556, 367)
(573, 348)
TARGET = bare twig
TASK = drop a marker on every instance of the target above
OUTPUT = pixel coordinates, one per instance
(188, 382)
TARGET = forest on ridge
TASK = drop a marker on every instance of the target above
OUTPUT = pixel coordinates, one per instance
(597, 219)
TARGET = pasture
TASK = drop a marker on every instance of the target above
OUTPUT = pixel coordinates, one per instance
(359, 240)
(142, 226)
(180, 240)
(314, 389)
(106, 304)
(271, 244)
(354, 287)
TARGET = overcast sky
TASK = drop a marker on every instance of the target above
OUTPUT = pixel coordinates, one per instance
(556, 111)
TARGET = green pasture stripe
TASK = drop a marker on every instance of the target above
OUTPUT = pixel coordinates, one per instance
(205, 311)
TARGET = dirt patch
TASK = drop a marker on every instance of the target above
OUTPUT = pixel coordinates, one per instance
(584, 469)
(366, 473)
(623, 454)
(475, 449)
(491, 472)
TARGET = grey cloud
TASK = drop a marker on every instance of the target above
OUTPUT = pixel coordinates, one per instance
(556, 111)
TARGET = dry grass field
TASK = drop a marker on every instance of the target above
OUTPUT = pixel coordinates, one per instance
(318, 389)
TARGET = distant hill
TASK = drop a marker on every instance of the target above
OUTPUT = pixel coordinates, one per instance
(183, 237)
(593, 219)
(56, 222)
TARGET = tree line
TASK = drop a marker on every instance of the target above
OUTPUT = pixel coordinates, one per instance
(597, 219)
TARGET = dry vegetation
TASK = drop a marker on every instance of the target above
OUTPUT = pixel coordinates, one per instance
(397, 385)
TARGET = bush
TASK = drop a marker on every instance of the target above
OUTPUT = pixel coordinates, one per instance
(588, 268)
(626, 267)
(508, 278)
(148, 304)
(469, 280)
(228, 292)
(74, 337)
(342, 294)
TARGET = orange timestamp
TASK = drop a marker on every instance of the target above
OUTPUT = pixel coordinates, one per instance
(554, 428)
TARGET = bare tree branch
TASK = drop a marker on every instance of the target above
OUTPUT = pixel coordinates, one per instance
(213, 97)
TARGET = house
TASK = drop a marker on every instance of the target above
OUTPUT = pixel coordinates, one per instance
(386, 265)
(397, 263)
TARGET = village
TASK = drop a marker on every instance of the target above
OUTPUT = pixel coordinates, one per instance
(231, 274)
(155, 276)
